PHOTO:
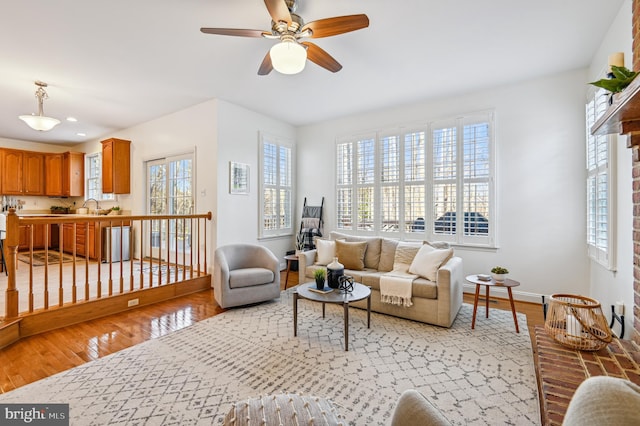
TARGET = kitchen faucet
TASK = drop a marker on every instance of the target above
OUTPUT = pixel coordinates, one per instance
(90, 199)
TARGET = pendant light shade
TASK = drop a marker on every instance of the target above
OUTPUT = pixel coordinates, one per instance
(288, 57)
(40, 122)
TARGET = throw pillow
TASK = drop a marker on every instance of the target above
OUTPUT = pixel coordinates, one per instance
(326, 251)
(387, 254)
(405, 252)
(371, 255)
(428, 260)
(351, 254)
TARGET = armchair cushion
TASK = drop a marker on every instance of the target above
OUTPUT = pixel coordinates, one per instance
(248, 277)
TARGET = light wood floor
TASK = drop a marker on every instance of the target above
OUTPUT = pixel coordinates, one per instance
(43, 355)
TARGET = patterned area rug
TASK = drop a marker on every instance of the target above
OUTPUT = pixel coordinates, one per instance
(40, 257)
(192, 376)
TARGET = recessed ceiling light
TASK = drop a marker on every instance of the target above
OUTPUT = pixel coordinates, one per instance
(72, 119)
(81, 134)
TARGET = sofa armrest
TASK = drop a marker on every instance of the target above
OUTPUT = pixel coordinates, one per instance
(307, 257)
(450, 283)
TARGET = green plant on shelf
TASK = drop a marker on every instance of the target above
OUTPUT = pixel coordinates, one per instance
(621, 78)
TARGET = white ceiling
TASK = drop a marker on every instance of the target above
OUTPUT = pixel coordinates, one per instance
(114, 64)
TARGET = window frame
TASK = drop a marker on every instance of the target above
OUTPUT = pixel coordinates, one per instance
(422, 227)
(280, 211)
(89, 177)
(596, 104)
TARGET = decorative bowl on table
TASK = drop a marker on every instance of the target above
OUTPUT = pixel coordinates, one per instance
(499, 273)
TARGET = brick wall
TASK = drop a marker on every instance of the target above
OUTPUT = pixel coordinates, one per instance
(636, 188)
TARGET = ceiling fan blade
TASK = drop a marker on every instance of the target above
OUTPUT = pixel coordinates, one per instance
(266, 66)
(319, 56)
(234, 32)
(278, 10)
(338, 25)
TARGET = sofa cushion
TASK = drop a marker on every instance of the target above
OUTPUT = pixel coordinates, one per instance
(387, 254)
(428, 260)
(405, 252)
(420, 287)
(326, 251)
(247, 277)
(372, 254)
(351, 254)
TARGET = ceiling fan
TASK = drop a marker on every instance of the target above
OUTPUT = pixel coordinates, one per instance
(290, 55)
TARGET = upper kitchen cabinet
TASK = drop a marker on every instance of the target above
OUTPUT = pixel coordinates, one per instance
(22, 172)
(116, 166)
(33, 173)
(64, 174)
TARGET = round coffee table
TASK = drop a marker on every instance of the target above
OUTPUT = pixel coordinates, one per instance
(473, 279)
(360, 292)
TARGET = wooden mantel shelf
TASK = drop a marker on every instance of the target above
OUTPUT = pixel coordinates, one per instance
(623, 116)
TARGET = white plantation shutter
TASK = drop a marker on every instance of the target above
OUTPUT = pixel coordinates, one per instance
(414, 155)
(434, 181)
(600, 163)
(276, 187)
(344, 180)
(390, 183)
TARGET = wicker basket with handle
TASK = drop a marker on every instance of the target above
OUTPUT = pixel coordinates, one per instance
(577, 322)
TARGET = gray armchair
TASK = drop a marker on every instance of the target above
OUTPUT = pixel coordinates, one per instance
(245, 274)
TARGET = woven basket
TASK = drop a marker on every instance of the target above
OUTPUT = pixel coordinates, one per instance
(577, 322)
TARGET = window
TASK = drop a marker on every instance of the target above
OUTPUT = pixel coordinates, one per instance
(93, 171)
(434, 181)
(170, 183)
(276, 187)
(600, 163)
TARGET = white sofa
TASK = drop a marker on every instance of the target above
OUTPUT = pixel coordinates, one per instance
(434, 302)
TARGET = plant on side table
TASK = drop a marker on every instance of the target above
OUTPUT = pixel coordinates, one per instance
(499, 273)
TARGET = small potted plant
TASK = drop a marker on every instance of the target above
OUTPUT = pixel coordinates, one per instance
(499, 273)
(319, 276)
(115, 210)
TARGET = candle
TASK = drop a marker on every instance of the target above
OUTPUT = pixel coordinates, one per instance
(573, 326)
(616, 59)
(620, 308)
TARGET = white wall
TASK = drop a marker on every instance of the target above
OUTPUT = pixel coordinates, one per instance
(540, 174)
(238, 135)
(606, 286)
(219, 132)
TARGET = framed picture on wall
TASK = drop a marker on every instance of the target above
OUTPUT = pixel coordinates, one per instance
(238, 178)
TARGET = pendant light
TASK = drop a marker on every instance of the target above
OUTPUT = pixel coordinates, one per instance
(40, 122)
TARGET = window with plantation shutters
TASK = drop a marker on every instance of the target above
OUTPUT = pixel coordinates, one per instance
(434, 181)
(600, 162)
(276, 187)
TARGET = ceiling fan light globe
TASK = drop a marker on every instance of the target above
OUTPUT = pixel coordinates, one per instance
(39, 122)
(288, 57)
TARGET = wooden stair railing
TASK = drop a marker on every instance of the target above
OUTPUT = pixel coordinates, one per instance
(182, 259)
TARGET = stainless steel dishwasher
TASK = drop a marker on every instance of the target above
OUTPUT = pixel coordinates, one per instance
(111, 238)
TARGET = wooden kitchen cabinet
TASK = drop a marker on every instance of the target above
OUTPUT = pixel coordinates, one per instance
(33, 173)
(25, 237)
(11, 172)
(86, 244)
(73, 174)
(116, 166)
(64, 174)
(53, 173)
(22, 172)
